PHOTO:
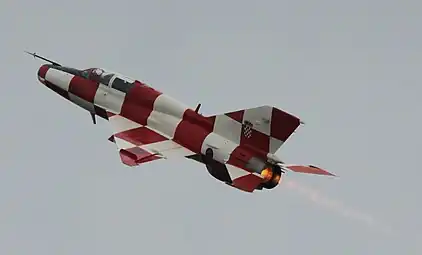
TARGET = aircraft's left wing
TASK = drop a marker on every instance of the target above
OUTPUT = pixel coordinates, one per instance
(139, 144)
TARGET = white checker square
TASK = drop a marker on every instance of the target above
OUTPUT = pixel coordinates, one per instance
(275, 144)
(221, 146)
(228, 128)
(170, 106)
(168, 149)
(120, 124)
(260, 118)
(163, 123)
(109, 99)
(59, 78)
(236, 172)
(123, 144)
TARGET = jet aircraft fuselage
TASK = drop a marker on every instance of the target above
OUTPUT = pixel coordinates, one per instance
(237, 147)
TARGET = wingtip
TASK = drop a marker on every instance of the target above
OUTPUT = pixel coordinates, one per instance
(322, 171)
(333, 175)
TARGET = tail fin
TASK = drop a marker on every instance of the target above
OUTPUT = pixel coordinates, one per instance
(265, 127)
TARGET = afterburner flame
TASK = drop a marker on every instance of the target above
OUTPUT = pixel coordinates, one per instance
(277, 179)
(267, 174)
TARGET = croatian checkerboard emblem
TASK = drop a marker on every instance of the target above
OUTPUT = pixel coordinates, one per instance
(247, 129)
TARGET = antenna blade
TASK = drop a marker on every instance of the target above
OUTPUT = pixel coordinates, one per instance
(197, 108)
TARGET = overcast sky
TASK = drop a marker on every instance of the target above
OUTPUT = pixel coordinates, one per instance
(350, 69)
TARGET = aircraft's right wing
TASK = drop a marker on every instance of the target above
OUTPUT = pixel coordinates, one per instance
(139, 144)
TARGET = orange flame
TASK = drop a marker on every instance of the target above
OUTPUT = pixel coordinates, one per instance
(267, 174)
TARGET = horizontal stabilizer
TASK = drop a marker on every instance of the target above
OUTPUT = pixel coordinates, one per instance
(308, 169)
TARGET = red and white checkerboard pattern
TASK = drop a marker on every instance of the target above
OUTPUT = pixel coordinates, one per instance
(148, 125)
(265, 128)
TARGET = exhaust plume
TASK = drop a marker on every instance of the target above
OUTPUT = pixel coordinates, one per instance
(333, 205)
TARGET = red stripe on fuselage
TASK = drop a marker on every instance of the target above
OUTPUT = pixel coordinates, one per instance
(83, 88)
(240, 157)
(192, 130)
(139, 102)
(205, 122)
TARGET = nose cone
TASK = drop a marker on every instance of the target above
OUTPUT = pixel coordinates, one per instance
(42, 72)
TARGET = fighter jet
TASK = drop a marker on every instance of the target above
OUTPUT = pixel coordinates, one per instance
(237, 147)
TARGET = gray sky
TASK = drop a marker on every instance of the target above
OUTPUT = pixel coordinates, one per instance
(349, 69)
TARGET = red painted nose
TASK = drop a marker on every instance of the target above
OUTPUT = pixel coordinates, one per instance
(41, 73)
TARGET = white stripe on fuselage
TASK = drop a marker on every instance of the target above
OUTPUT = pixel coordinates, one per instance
(166, 115)
(59, 78)
(109, 99)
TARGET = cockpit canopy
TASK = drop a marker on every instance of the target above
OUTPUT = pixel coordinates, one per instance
(103, 76)
(107, 78)
(98, 75)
